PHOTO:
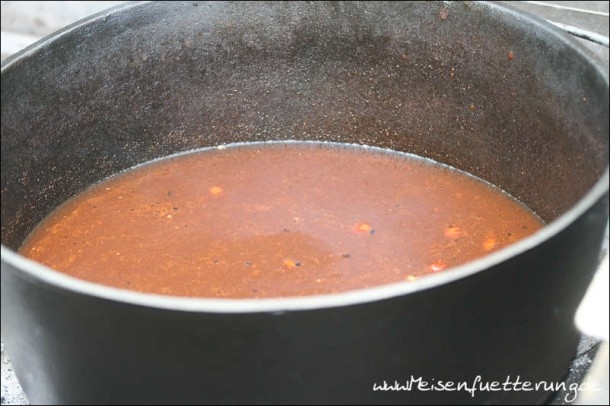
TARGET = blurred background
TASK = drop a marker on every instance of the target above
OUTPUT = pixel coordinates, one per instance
(25, 22)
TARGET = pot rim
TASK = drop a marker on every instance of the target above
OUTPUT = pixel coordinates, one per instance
(40, 273)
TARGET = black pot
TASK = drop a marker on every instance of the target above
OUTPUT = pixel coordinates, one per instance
(149, 80)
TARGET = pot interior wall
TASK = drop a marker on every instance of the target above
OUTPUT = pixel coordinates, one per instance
(462, 83)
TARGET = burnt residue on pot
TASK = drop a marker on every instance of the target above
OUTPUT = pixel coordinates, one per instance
(338, 72)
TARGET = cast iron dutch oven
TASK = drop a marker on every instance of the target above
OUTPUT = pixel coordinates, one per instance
(478, 86)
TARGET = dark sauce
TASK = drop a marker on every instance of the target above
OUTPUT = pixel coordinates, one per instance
(277, 219)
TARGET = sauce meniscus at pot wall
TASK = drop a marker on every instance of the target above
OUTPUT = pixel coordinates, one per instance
(277, 219)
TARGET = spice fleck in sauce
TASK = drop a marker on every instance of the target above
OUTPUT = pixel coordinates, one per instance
(277, 219)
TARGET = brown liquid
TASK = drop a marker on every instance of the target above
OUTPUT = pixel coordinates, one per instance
(277, 219)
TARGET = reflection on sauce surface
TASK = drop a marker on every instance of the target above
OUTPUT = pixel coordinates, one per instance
(277, 219)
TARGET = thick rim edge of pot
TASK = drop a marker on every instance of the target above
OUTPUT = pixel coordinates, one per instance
(45, 275)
